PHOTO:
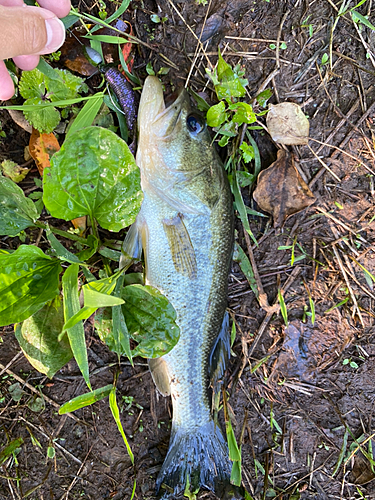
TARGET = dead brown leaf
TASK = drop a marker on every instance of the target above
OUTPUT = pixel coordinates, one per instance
(361, 472)
(287, 124)
(80, 223)
(42, 147)
(281, 191)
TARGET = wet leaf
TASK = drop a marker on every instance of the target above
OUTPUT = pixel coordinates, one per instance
(76, 333)
(151, 320)
(85, 399)
(281, 191)
(13, 171)
(36, 404)
(39, 340)
(73, 54)
(28, 279)
(16, 392)
(42, 147)
(216, 115)
(16, 211)
(287, 124)
(94, 174)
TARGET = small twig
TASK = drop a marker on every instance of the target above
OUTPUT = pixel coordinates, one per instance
(324, 164)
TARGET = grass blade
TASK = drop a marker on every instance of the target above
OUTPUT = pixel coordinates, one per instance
(85, 399)
(87, 115)
(283, 309)
(116, 415)
(76, 333)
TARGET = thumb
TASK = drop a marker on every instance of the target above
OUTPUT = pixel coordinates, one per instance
(29, 30)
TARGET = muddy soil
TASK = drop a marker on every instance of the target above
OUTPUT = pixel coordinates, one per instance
(302, 396)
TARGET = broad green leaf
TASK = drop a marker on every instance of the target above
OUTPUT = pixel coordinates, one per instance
(38, 337)
(94, 174)
(116, 415)
(28, 279)
(9, 449)
(151, 320)
(16, 211)
(86, 399)
(86, 116)
(247, 152)
(43, 119)
(76, 333)
(263, 97)
(216, 115)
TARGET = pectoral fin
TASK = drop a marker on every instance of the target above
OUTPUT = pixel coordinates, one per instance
(131, 250)
(183, 255)
(159, 372)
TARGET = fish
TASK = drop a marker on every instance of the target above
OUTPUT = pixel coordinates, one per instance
(185, 228)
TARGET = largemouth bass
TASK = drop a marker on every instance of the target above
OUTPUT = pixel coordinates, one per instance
(185, 227)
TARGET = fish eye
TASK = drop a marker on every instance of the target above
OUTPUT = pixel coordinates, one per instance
(195, 124)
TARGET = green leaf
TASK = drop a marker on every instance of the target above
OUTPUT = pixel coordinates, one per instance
(116, 415)
(240, 205)
(244, 113)
(16, 211)
(76, 333)
(230, 83)
(53, 85)
(94, 174)
(43, 119)
(108, 39)
(246, 268)
(151, 320)
(10, 449)
(283, 309)
(68, 21)
(358, 18)
(97, 299)
(86, 399)
(263, 97)
(12, 170)
(202, 105)
(61, 252)
(245, 178)
(247, 152)
(216, 115)
(28, 279)
(120, 330)
(38, 337)
(86, 116)
(234, 452)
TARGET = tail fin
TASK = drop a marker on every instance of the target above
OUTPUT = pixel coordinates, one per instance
(198, 458)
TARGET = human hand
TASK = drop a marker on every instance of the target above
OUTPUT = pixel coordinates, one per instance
(27, 32)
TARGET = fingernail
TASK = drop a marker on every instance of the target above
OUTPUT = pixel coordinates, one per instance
(55, 35)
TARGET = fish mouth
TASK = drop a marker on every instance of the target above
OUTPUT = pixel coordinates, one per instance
(154, 115)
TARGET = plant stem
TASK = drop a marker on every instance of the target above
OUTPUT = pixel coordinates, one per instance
(65, 234)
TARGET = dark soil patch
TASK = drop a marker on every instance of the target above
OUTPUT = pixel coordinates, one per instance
(306, 413)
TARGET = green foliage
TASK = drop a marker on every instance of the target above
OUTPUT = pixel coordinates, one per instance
(93, 174)
(10, 449)
(28, 279)
(41, 339)
(39, 88)
(16, 211)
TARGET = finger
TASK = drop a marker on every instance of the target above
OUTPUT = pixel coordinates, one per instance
(6, 83)
(12, 3)
(27, 63)
(29, 30)
(61, 8)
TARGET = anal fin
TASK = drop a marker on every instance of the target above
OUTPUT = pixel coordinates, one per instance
(183, 254)
(218, 360)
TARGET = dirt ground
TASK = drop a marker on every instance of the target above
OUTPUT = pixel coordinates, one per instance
(302, 397)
